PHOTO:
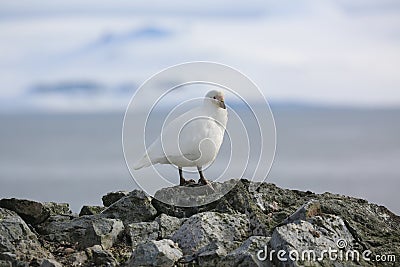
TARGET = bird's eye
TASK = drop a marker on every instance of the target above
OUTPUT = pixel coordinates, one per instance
(214, 97)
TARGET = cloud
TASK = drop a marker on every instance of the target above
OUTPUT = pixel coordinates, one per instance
(335, 52)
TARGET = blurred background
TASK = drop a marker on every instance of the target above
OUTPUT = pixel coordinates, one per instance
(330, 70)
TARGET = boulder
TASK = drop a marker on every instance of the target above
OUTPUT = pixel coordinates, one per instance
(204, 228)
(321, 233)
(142, 231)
(17, 242)
(104, 232)
(31, 212)
(91, 210)
(156, 253)
(135, 207)
(373, 227)
(113, 197)
(57, 208)
(211, 254)
(86, 231)
(100, 257)
(168, 225)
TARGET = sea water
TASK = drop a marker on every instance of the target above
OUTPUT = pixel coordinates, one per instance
(77, 158)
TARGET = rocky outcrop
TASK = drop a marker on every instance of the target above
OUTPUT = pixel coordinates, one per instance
(253, 224)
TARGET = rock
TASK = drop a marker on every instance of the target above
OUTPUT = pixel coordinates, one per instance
(246, 254)
(104, 232)
(91, 210)
(101, 257)
(305, 212)
(204, 228)
(318, 234)
(143, 231)
(180, 201)
(168, 225)
(156, 253)
(113, 197)
(374, 227)
(77, 259)
(227, 232)
(237, 198)
(31, 212)
(57, 208)
(16, 238)
(211, 254)
(86, 230)
(50, 263)
(136, 207)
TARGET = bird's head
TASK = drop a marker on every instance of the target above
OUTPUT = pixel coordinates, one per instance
(217, 98)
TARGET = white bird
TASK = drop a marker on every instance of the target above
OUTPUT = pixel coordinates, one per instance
(191, 140)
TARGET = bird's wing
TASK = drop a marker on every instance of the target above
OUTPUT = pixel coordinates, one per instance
(180, 140)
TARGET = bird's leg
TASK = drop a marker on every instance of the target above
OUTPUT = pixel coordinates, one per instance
(182, 180)
(202, 180)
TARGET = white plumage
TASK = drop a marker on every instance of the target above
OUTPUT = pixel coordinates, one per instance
(191, 140)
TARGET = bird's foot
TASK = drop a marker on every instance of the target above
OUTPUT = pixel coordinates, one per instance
(184, 182)
(205, 182)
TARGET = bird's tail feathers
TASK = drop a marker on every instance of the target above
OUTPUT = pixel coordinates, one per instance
(143, 162)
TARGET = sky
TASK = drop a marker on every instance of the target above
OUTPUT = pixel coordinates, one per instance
(66, 55)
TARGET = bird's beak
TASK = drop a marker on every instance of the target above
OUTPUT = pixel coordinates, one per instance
(222, 104)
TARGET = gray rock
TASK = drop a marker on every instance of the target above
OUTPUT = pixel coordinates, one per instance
(31, 212)
(211, 254)
(317, 234)
(142, 231)
(168, 225)
(204, 228)
(102, 231)
(136, 207)
(50, 263)
(113, 197)
(216, 234)
(91, 210)
(305, 212)
(60, 228)
(156, 253)
(57, 208)
(77, 259)
(16, 239)
(86, 230)
(100, 257)
(233, 197)
(246, 254)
